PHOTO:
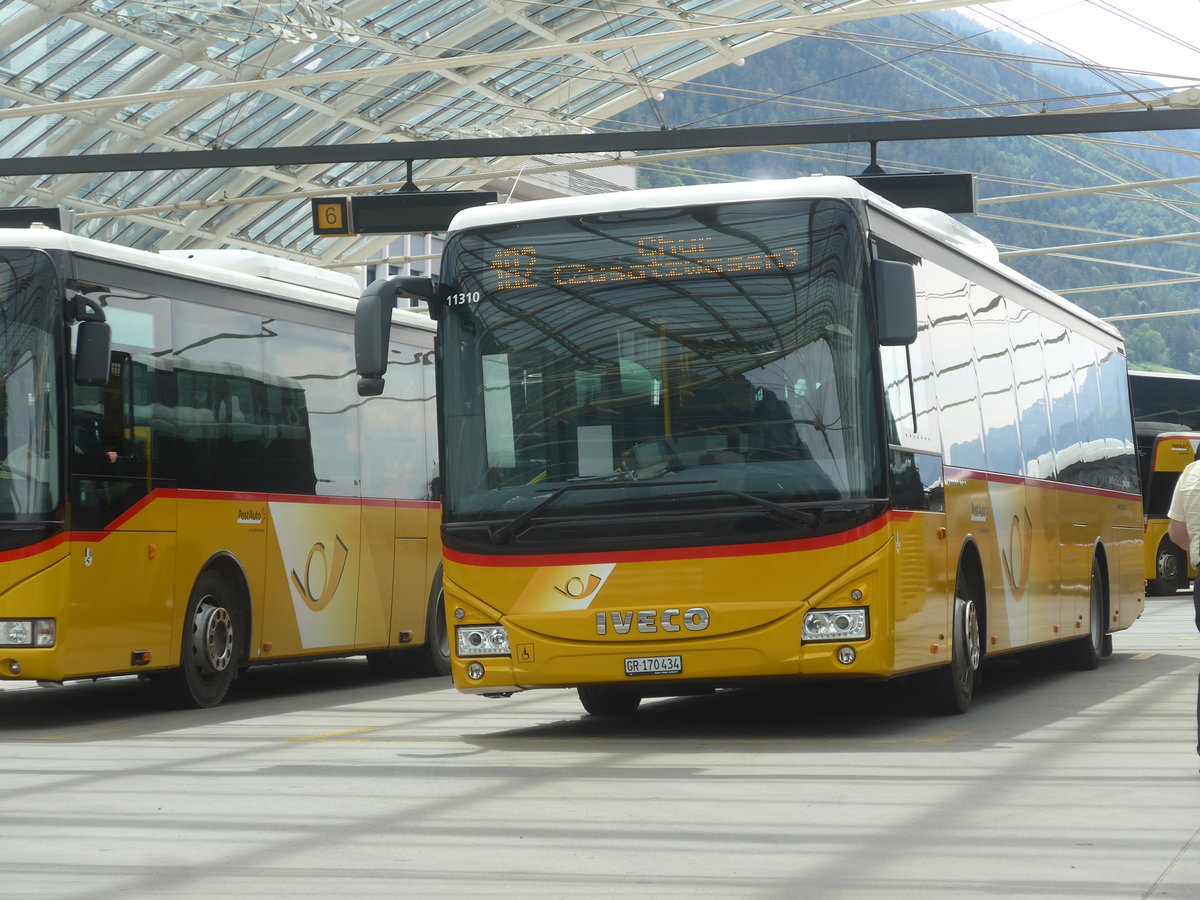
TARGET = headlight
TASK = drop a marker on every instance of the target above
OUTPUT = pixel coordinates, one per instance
(26, 632)
(482, 640)
(835, 625)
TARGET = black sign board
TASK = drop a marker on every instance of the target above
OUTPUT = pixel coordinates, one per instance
(950, 193)
(28, 216)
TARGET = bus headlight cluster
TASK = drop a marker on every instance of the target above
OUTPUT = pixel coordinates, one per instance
(834, 625)
(481, 640)
(27, 632)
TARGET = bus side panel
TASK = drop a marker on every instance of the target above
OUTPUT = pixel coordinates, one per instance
(1127, 586)
(412, 570)
(921, 604)
(312, 578)
(971, 520)
(374, 622)
(410, 591)
(1048, 609)
(120, 602)
(207, 527)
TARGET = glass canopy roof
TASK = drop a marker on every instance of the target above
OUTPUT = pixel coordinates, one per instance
(108, 76)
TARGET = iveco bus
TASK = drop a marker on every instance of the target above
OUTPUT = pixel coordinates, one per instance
(698, 437)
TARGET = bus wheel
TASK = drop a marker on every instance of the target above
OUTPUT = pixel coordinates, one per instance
(609, 701)
(437, 632)
(1171, 569)
(1084, 653)
(954, 685)
(208, 658)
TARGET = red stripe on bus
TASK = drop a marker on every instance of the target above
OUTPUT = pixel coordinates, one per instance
(950, 472)
(709, 552)
(92, 537)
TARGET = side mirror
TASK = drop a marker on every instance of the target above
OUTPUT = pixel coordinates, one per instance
(895, 302)
(93, 341)
(373, 322)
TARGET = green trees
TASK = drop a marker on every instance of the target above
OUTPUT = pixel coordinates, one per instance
(869, 79)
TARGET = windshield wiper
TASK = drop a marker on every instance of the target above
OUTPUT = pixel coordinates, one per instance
(787, 514)
(517, 525)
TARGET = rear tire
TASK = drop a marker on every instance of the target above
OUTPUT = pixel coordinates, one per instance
(1083, 654)
(601, 700)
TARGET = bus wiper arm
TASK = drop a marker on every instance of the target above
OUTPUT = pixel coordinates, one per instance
(778, 511)
(515, 526)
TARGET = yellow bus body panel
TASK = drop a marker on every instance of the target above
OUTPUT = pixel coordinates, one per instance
(1171, 454)
(574, 619)
(324, 577)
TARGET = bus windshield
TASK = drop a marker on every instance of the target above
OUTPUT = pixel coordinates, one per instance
(659, 363)
(30, 474)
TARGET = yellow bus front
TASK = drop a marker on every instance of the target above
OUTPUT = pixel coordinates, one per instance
(1164, 457)
(711, 616)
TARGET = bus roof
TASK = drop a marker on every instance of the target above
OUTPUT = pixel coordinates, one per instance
(244, 269)
(833, 186)
(943, 227)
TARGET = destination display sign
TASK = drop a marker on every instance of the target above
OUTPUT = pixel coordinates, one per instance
(658, 258)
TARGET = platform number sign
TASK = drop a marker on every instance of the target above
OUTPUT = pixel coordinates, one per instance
(331, 216)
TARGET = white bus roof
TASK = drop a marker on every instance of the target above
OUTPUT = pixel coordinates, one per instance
(839, 187)
(244, 269)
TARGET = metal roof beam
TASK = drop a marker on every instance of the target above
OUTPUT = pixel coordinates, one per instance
(627, 141)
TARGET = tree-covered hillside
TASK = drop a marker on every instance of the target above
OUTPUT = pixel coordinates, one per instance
(921, 68)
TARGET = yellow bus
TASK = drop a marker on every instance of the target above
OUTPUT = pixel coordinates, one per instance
(699, 437)
(1162, 456)
(190, 483)
(1166, 413)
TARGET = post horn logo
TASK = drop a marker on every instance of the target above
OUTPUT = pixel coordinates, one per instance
(1020, 541)
(319, 599)
(577, 589)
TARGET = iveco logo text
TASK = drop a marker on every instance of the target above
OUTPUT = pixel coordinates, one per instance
(649, 621)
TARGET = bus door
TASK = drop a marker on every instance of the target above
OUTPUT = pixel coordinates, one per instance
(921, 589)
(122, 559)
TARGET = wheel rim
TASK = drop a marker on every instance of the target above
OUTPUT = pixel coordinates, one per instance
(1168, 565)
(212, 638)
(968, 654)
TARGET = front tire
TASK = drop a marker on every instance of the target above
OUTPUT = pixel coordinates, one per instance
(208, 657)
(437, 630)
(1170, 567)
(953, 686)
(601, 700)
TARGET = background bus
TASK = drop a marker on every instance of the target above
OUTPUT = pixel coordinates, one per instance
(1166, 410)
(224, 498)
(710, 435)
